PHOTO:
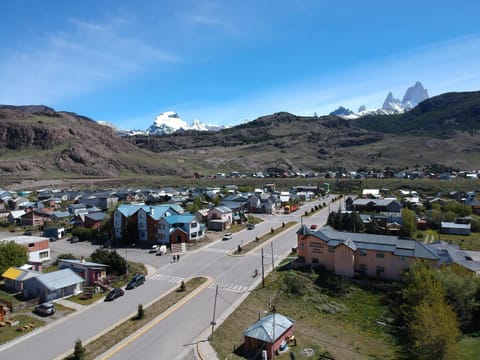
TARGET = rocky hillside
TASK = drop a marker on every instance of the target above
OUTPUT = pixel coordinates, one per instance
(36, 141)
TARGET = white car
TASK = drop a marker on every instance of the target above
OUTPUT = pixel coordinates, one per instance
(227, 236)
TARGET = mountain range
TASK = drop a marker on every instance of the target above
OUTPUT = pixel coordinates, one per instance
(168, 123)
(38, 142)
(413, 96)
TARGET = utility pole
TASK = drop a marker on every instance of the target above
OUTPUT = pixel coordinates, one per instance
(214, 308)
(273, 261)
(126, 262)
(263, 272)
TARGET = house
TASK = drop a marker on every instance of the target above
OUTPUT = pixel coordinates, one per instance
(270, 334)
(348, 254)
(377, 205)
(219, 218)
(54, 232)
(94, 220)
(15, 277)
(179, 229)
(454, 228)
(54, 285)
(38, 247)
(92, 273)
(141, 220)
(76, 209)
(46, 287)
(36, 217)
(15, 216)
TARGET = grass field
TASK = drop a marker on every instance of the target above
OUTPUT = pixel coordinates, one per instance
(345, 326)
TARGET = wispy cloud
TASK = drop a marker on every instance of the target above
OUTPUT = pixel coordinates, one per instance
(69, 63)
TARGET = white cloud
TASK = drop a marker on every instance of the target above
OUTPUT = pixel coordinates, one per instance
(67, 64)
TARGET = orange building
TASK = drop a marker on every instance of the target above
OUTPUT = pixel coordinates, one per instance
(349, 254)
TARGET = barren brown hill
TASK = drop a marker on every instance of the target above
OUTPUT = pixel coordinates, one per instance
(38, 142)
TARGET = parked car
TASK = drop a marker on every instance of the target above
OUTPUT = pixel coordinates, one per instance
(227, 236)
(46, 308)
(136, 280)
(250, 226)
(115, 293)
(154, 248)
(74, 239)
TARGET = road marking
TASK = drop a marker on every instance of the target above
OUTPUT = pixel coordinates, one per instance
(239, 289)
(168, 278)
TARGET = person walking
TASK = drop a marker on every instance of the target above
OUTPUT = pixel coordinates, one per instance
(178, 257)
(174, 258)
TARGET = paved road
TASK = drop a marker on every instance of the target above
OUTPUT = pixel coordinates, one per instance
(174, 336)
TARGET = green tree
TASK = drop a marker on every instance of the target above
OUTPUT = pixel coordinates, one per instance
(409, 222)
(79, 350)
(432, 323)
(12, 254)
(462, 289)
(84, 233)
(434, 331)
(116, 263)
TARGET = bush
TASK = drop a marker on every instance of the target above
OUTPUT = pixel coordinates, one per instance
(141, 312)
(182, 286)
(79, 350)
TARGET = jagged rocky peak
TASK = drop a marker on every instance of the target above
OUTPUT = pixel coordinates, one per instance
(362, 108)
(415, 95)
(341, 111)
(392, 103)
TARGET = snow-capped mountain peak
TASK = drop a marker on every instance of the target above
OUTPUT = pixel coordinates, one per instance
(169, 122)
(392, 105)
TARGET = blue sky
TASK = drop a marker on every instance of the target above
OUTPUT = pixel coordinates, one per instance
(224, 62)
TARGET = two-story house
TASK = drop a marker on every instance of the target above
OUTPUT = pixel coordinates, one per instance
(219, 218)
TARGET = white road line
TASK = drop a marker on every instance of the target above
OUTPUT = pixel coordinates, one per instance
(168, 278)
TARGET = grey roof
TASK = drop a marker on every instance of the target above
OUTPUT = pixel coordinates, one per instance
(397, 246)
(452, 225)
(85, 263)
(449, 254)
(223, 209)
(59, 279)
(268, 327)
(96, 216)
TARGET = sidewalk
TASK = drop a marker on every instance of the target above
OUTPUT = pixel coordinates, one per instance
(204, 350)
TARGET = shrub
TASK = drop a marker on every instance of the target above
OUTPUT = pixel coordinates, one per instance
(141, 312)
(79, 350)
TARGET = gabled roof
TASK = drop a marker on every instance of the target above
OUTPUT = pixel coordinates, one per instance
(59, 279)
(96, 216)
(223, 209)
(397, 246)
(269, 328)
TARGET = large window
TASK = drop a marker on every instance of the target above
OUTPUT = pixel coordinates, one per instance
(43, 255)
(362, 252)
(380, 254)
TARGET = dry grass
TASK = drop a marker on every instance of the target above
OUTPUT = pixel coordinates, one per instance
(345, 327)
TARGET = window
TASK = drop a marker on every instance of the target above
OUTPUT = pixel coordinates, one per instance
(193, 225)
(314, 261)
(301, 246)
(31, 245)
(362, 252)
(43, 255)
(380, 269)
(331, 249)
(362, 268)
(380, 255)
